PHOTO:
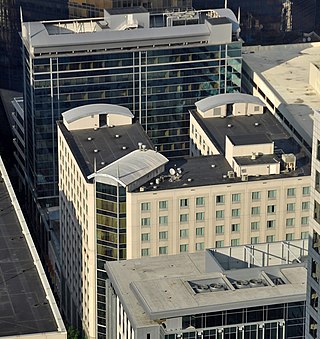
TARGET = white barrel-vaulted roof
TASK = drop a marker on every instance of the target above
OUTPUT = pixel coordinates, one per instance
(228, 98)
(87, 110)
(131, 167)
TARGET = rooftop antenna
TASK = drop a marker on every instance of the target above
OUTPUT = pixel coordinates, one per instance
(225, 3)
(239, 14)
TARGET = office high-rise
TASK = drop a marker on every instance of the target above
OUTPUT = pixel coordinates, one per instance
(157, 66)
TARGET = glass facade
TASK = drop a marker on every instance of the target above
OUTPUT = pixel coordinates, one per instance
(158, 86)
(111, 239)
(272, 321)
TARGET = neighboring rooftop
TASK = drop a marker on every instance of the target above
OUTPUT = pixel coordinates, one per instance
(104, 145)
(27, 305)
(285, 69)
(184, 284)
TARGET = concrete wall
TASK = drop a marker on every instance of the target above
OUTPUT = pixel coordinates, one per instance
(314, 77)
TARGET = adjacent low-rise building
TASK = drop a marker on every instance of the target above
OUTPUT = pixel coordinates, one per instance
(28, 308)
(121, 199)
(254, 291)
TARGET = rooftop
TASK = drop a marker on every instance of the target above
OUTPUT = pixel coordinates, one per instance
(285, 69)
(257, 127)
(170, 286)
(27, 305)
(133, 30)
(104, 145)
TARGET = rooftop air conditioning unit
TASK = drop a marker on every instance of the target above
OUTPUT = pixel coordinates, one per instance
(230, 174)
(244, 177)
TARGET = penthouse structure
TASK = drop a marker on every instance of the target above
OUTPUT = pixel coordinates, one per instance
(156, 66)
(28, 308)
(247, 291)
(121, 199)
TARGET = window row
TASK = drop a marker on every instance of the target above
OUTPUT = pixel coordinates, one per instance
(220, 199)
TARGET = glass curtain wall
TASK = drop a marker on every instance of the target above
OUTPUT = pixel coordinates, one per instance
(111, 239)
(158, 86)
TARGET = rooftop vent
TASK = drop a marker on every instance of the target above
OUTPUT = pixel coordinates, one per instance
(142, 189)
(95, 150)
(110, 126)
(189, 179)
(102, 163)
(140, 145)
(229, 125)
(117, 136)
(230, 174)
(144, 147)
(124, 147)
(213, 165)
(89, 138)
(200, 288)
(157, 181)
(253, 156)
(95, 128)
(241, 284)
(256, 124)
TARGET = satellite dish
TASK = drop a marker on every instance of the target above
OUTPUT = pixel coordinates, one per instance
(172, 171)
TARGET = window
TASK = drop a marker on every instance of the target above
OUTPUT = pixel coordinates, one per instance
(219, 243)
(236, 197)
(219, 229)
(304, 235)
(235, 212)
(145, 206)
(145, 237)
(200, 231)
(163, 220)
(163, 235)
(220, 214)
(306, 190)
(145, 221)
(220, 199)
(290, 222)
(255, 210)
(184, 233)
(235, 228)
(316, 212)
(200, 201)
(235, 242)
(199, 246)
(163, 250)
(304, 220)
(254, 240)
(305, 205)
(270, 238)
(184, 217)
(163, 205)
(272, 194)
(289, 236)
(183, 202)
(271, 209)
(318, 149)
(291, 192)
(271, 223)
(184, 248)
(145, 252)
(199, 216)
(256, 195)
(317, 181)
(291, 207)
(255, 225)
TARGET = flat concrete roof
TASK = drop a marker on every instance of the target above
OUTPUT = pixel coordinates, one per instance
(24, 307)
(111, 143)
(163, 287)
(250, 139)
(285, 69)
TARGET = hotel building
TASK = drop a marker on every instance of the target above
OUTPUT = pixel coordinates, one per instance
(120, 199)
